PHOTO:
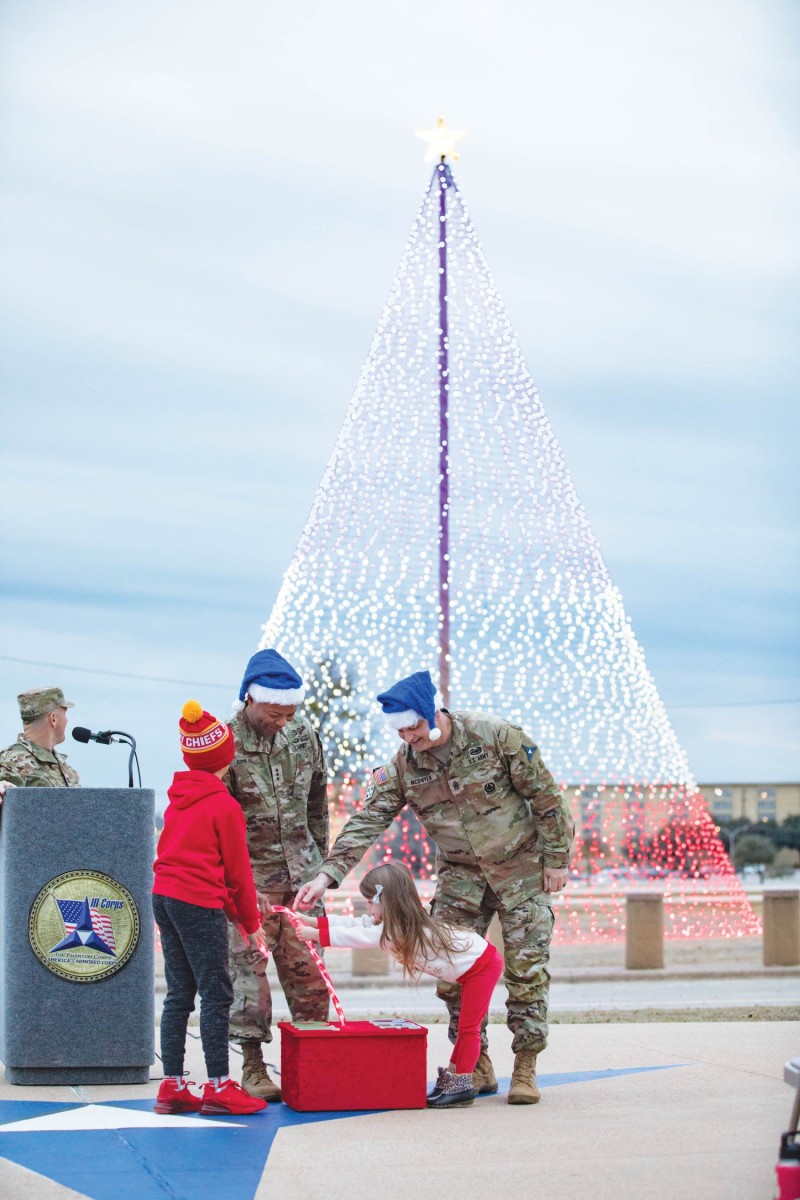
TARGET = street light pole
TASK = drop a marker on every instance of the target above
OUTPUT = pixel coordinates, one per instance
(733, 835)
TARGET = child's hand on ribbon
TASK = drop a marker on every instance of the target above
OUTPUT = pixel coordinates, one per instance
(298, 918)
(307, 933)
(258, 941)
(298, 923)
(254, 941)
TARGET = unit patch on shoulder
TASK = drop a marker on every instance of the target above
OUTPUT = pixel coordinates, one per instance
(530, 751)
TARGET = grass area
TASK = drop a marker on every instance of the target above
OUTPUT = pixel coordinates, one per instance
(763, 1012)
(633, 1016)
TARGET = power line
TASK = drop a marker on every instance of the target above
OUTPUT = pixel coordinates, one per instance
(735, 704)
(33, 662)
(199, 683)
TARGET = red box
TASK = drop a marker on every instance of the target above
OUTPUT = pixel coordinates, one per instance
(358, 1065)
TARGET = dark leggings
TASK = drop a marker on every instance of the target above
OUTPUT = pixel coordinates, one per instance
(195, 943)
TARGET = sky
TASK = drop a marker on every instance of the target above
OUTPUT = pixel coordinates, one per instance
(203, 208)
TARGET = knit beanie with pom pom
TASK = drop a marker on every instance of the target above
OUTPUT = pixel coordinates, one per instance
(410, 700)
(270, 679)
(206, 742)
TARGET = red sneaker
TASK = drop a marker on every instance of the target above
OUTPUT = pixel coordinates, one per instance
(231, 1099)
(174, 1098)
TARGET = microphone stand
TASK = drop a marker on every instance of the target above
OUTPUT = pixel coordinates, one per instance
(116, 735)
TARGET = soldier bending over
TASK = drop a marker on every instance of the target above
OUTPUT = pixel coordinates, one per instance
(503, 832)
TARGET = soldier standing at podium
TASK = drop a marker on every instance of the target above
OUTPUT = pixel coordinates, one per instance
(279, 777)
(33, 761)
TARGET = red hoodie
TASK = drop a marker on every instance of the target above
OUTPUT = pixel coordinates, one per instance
(202, 852)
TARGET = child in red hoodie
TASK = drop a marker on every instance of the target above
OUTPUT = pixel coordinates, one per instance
(203, 879)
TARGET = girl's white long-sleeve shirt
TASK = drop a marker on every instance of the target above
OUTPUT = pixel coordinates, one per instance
(359, 933)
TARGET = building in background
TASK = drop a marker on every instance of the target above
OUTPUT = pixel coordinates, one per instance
(752, 801)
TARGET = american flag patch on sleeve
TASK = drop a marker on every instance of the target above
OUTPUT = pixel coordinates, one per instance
(380, 775)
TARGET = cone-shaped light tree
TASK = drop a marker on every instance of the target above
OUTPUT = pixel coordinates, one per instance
(446, 533)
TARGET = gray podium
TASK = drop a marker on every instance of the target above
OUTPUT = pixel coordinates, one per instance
(76, 935)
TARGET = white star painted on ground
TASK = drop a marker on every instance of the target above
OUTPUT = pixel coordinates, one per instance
(96, 1116)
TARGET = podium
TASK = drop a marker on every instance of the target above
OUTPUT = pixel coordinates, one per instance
(76, 935)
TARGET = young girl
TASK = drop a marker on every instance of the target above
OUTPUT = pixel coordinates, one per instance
(397, 921)
(202, 878)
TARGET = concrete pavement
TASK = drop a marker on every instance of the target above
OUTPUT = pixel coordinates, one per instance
(628, 1112)
(706, 1126)
(656, 1085)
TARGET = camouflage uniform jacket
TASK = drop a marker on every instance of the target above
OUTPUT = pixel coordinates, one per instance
(27, 765)
(494, 811)
(283, 791)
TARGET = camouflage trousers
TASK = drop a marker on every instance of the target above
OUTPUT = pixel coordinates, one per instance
(527, 930)
(305, 992)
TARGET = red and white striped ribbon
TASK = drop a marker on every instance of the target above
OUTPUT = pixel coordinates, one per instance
(298, 923)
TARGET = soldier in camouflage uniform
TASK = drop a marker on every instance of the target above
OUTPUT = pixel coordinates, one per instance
(503, 833)
(32, 761)
(279, 777)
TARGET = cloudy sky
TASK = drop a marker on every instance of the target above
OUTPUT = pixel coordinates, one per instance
(203, 207)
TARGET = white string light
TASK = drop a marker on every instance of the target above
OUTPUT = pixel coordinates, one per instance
(539, 632)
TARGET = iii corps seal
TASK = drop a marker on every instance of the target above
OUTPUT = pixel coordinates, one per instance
(84, 926)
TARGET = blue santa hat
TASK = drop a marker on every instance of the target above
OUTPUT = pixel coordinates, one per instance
(410, 700)
(270, 679)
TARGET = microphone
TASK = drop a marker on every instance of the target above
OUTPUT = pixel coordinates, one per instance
(104, 738)
(85, 735)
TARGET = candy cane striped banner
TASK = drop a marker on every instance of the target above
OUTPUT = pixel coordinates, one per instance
(297, 923)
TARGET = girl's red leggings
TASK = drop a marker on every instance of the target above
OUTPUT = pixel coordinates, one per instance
(477, 985)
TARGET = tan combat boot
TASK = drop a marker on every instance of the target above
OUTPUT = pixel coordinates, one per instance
(255, 1079)
(484, 1080)
(523, 1088)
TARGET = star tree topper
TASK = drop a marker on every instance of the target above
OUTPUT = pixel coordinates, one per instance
(441, 141)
